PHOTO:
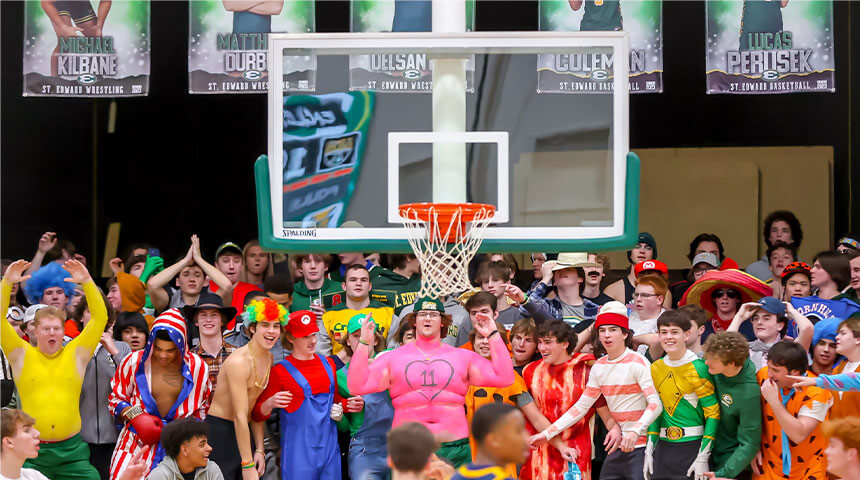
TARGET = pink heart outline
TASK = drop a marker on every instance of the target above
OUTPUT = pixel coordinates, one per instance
(427, 364)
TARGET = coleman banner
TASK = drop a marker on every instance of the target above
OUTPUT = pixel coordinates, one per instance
(770, 46)
(324, 139)
(78, 48)
(589, 70)
(228, 45)
(402, 71)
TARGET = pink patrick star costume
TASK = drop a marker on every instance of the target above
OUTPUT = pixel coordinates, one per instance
(428, 380)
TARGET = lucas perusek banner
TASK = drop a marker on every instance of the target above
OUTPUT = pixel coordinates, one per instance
(770, 46)
(78, 48)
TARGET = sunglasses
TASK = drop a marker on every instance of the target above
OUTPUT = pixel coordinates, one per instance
(728, 293)
(15, 314)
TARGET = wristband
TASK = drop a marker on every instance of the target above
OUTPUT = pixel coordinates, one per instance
(248, 465)
(491, 333)
(132, 412)
(363, 342)
(261, 452)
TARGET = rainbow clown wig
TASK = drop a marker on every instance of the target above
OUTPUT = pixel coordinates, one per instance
(50, 275)
(265, 310)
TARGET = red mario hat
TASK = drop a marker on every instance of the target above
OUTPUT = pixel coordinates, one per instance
(302, 323)
(650, 265)
(612, 313)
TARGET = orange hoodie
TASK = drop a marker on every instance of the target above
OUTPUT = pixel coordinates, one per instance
(133, 294)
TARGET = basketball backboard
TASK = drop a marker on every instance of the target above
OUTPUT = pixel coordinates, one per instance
(542, 136)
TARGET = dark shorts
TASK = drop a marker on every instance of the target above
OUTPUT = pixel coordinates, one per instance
(225, 450)
(673, 459)
(80, 11)
(623, 466)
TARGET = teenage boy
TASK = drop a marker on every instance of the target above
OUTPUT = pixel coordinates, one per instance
(399, 286)
(523, 336)
(623, 378)
(680, 440)
(211, 317)
(459, 321)
(847, 404)
(792, 444)
(315, 292)
(244, 377)
(357, 286)
(500, 432)
(230, 261)
(594, 278)
(187, 449)
(843, 449)
(494, 277)
(769, 323)
(739, 432)
(190, 273)
(49, 376)
(698, 318)
(410, 448)
(483, 303)
(645, 249)
(566, 275)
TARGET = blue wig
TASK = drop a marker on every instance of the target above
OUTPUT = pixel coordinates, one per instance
(50, 275)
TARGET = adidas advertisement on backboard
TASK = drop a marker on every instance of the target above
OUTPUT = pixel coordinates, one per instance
(770, 46)
(228, 45)
(590, 70)
(86, 49)
(324, 141)
(400, 71)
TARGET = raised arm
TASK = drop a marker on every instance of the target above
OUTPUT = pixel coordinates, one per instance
(225, 288)
(92, 333)
(13, 346)
(805, 328)
(155, 285)
(534, 304)
(48, 240)
(744, 313)
(364, 377)
(501, 371)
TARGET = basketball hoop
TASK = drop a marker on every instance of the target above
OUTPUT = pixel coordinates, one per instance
(443, 244)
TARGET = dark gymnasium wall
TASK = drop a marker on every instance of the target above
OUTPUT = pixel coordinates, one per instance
(179, 164)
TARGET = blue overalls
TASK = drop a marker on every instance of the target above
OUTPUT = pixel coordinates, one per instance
(368, 450)
(309, 449)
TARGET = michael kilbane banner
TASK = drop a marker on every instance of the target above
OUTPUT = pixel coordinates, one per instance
(79, 48)
(770, 46)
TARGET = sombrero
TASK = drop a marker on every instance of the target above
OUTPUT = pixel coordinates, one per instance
(701, 292)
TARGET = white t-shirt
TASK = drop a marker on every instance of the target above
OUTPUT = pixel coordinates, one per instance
(27, 474)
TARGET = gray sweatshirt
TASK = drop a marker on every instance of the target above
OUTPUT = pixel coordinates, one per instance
(97, 423)
(169, 470)
(459, 317)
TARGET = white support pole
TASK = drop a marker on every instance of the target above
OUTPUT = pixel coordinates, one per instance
(449, 107)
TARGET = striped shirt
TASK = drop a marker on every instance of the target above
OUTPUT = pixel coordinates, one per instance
(628, 388)
(130, 387)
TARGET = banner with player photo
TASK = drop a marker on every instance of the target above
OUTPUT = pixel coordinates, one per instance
(79, 48)
(589, 70)
(770, 46)
(398, 72)
(228, 45)
(324, 142)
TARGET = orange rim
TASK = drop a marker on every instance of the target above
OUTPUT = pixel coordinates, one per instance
(445, 212)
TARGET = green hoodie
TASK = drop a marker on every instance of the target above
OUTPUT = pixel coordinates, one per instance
(394, 289)
(739, 433)
(330, 295)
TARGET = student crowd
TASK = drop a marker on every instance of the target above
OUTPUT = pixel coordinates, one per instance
(311, 366)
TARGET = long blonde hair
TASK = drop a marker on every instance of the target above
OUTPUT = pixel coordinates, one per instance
(270, 269)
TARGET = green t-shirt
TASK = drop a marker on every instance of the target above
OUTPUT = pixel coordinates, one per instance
(601, 15)
(739, 433)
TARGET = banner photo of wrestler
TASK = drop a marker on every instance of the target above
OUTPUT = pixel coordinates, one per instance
(228, 45)
(402, 72)
(86, 49)
(780, 46)
(591, 71)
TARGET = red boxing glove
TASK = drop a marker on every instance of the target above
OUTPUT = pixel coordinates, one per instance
(148, 428)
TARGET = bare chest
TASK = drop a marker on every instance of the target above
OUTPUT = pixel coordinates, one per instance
(165, 387)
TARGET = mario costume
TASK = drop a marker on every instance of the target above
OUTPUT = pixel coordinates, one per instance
(130, 388)
(309, 448)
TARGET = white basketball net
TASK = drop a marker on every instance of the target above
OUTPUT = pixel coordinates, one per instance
(444, 265)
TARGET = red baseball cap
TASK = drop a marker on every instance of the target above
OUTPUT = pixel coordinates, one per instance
(302, 323)
(650, 265)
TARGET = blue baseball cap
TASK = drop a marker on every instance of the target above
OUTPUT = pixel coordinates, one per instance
(772, 305)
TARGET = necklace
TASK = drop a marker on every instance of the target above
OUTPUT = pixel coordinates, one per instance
(426, 355)
(257, 383)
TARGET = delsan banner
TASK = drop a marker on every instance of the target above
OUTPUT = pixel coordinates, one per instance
(401, 71)
(589, 70)
(324, 141)
(73, 49)
(764, 46)
(228, 45)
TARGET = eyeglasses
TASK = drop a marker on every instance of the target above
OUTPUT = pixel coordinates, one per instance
(698, 270)
(643, 295)
(429, 315)
(728, 293)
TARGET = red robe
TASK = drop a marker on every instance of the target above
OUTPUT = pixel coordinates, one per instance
(555, 389)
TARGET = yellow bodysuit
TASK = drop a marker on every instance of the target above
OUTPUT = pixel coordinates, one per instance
(50, 387)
